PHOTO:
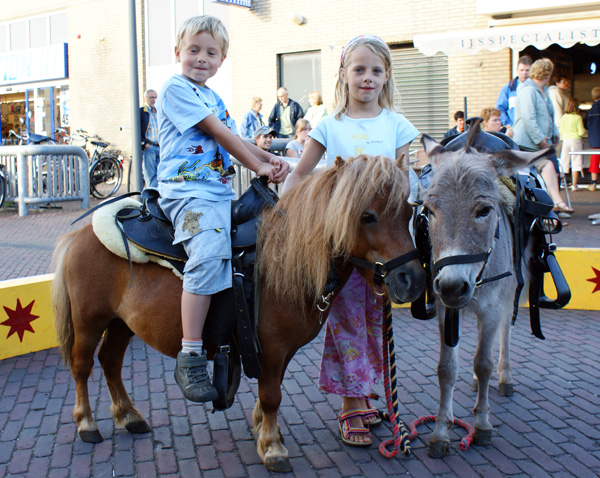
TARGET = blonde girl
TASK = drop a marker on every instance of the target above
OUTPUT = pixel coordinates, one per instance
(571, 131)
(317, 110)
(364, 121)
(295, 148)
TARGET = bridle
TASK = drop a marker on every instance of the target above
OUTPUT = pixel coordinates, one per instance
(380, 271)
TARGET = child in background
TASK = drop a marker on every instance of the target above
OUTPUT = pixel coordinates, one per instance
(295, 148)
(197, 136)
(364, 122)
(571, 131)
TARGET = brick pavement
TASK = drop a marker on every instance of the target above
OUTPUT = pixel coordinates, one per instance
(550, 427)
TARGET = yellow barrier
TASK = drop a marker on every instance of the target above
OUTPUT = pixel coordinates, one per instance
(27, 318)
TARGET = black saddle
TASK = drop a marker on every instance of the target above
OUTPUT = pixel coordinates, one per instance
(230, 326)
(534, 220)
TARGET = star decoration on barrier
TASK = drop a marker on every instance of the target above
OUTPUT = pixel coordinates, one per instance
(595, 280)
(19, 320)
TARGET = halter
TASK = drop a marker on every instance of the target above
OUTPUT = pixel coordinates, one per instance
(379, 269)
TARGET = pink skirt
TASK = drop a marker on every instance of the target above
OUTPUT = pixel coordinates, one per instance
(351, 363)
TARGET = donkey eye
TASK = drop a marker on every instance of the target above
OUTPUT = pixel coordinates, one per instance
(368, 218)
(484, 211)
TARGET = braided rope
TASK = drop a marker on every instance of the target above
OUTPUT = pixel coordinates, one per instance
(464, 443)
(401, 438)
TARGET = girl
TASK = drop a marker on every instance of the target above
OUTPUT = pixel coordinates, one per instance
(364, 121)
(295, 148)
(571, 131)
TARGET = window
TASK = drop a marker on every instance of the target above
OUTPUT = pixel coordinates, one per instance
(38, 32)
(18, 37)
(300, 73)
(58, 28)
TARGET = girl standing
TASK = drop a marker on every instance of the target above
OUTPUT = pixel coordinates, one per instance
(295, 148)
(364, 122)
(571, 131)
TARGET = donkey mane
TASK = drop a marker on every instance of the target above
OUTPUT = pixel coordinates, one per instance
(319, 220)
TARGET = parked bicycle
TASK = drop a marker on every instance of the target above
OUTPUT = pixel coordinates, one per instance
(106, 166)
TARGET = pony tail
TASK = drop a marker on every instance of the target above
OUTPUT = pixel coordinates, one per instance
(61, 301)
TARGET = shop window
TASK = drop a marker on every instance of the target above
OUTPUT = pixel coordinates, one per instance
(38, 32)
(58, 28)
(300, 73)
(18, 36)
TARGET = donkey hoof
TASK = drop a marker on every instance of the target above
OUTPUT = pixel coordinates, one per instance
(505, 389)
(138, 427)
(438, 449)
(91, 436)
(278, 464)
(482, 437)
(474, 385)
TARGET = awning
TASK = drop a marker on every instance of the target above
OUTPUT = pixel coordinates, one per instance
(540, 35)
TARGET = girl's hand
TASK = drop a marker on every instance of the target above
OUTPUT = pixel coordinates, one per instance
(268, 170)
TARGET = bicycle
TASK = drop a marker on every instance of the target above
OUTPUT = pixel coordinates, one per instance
(106, 166)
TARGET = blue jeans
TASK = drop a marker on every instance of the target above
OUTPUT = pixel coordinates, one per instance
(150, 164)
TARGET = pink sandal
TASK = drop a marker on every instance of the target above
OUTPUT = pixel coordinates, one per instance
(347, 431)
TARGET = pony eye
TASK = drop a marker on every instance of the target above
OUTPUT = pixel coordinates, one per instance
(484, 211)
(368, 218)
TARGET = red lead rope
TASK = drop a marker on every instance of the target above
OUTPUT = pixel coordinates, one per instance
(401, 438)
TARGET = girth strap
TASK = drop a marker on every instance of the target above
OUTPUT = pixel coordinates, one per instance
(244, 327)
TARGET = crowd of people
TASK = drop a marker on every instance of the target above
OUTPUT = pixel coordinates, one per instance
(192, 170)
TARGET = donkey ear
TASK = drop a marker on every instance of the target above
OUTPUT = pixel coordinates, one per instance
(433, 149)
(339, 162)
(506, 161)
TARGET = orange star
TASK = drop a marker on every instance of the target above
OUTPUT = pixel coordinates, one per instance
(595, 280)
(19, 320)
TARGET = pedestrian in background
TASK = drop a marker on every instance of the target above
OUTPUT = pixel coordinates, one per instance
(150, 147)
(571, 131)
(284, 114)
(459, 119)
(316, 112)
(592, 123)
(508, 93)
(252, 119)
(295, 148)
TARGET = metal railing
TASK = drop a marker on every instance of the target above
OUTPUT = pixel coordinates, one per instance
(44, 174)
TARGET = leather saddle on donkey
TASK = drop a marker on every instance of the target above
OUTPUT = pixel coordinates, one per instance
(229, 332)
(530, 209)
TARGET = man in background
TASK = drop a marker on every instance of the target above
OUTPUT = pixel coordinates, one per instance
(284, 114)
(150, 148)
(508, 93)
(459, 119)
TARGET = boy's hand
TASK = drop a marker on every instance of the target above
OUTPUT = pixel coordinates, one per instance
(268, 170)
(283, 168)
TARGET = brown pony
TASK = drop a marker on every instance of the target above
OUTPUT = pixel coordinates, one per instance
(358, 208)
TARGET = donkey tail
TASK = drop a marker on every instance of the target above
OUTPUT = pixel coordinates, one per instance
(63, 320)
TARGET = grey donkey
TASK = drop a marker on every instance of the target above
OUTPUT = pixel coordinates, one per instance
(467, 218)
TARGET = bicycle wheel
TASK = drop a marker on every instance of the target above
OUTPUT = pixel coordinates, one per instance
(2, 189)
(105, 177)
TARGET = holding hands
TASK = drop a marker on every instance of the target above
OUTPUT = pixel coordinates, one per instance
(276, 170)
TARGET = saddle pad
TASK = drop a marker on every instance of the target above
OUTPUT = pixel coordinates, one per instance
(108, 233)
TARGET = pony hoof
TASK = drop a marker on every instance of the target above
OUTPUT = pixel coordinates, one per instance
(505, 389)
(91, 436)
(482, 437)
(278, 465)
(438, 449)
(138, 427)
(474, 385)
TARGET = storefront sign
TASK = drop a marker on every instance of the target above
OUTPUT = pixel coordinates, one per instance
(34, 64)
(239, 3)
(541, 36)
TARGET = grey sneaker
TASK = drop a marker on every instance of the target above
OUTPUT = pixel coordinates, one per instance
(193, 379)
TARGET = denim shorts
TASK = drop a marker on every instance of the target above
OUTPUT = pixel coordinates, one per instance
(203, 228)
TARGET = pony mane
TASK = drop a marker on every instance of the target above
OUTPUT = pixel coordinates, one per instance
(318, 221)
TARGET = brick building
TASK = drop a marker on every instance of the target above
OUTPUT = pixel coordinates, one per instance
(443, 54)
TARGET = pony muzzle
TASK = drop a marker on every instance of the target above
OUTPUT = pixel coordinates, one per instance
(405, 283)
(454, 289)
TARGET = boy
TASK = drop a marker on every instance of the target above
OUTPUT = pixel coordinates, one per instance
(459, 119)
(264, 137)
(197, 136)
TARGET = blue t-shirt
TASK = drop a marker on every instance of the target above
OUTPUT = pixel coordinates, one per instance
(192, 163)
(381, 135)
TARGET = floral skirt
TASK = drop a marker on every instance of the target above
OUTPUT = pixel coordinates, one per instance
(351, 364)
